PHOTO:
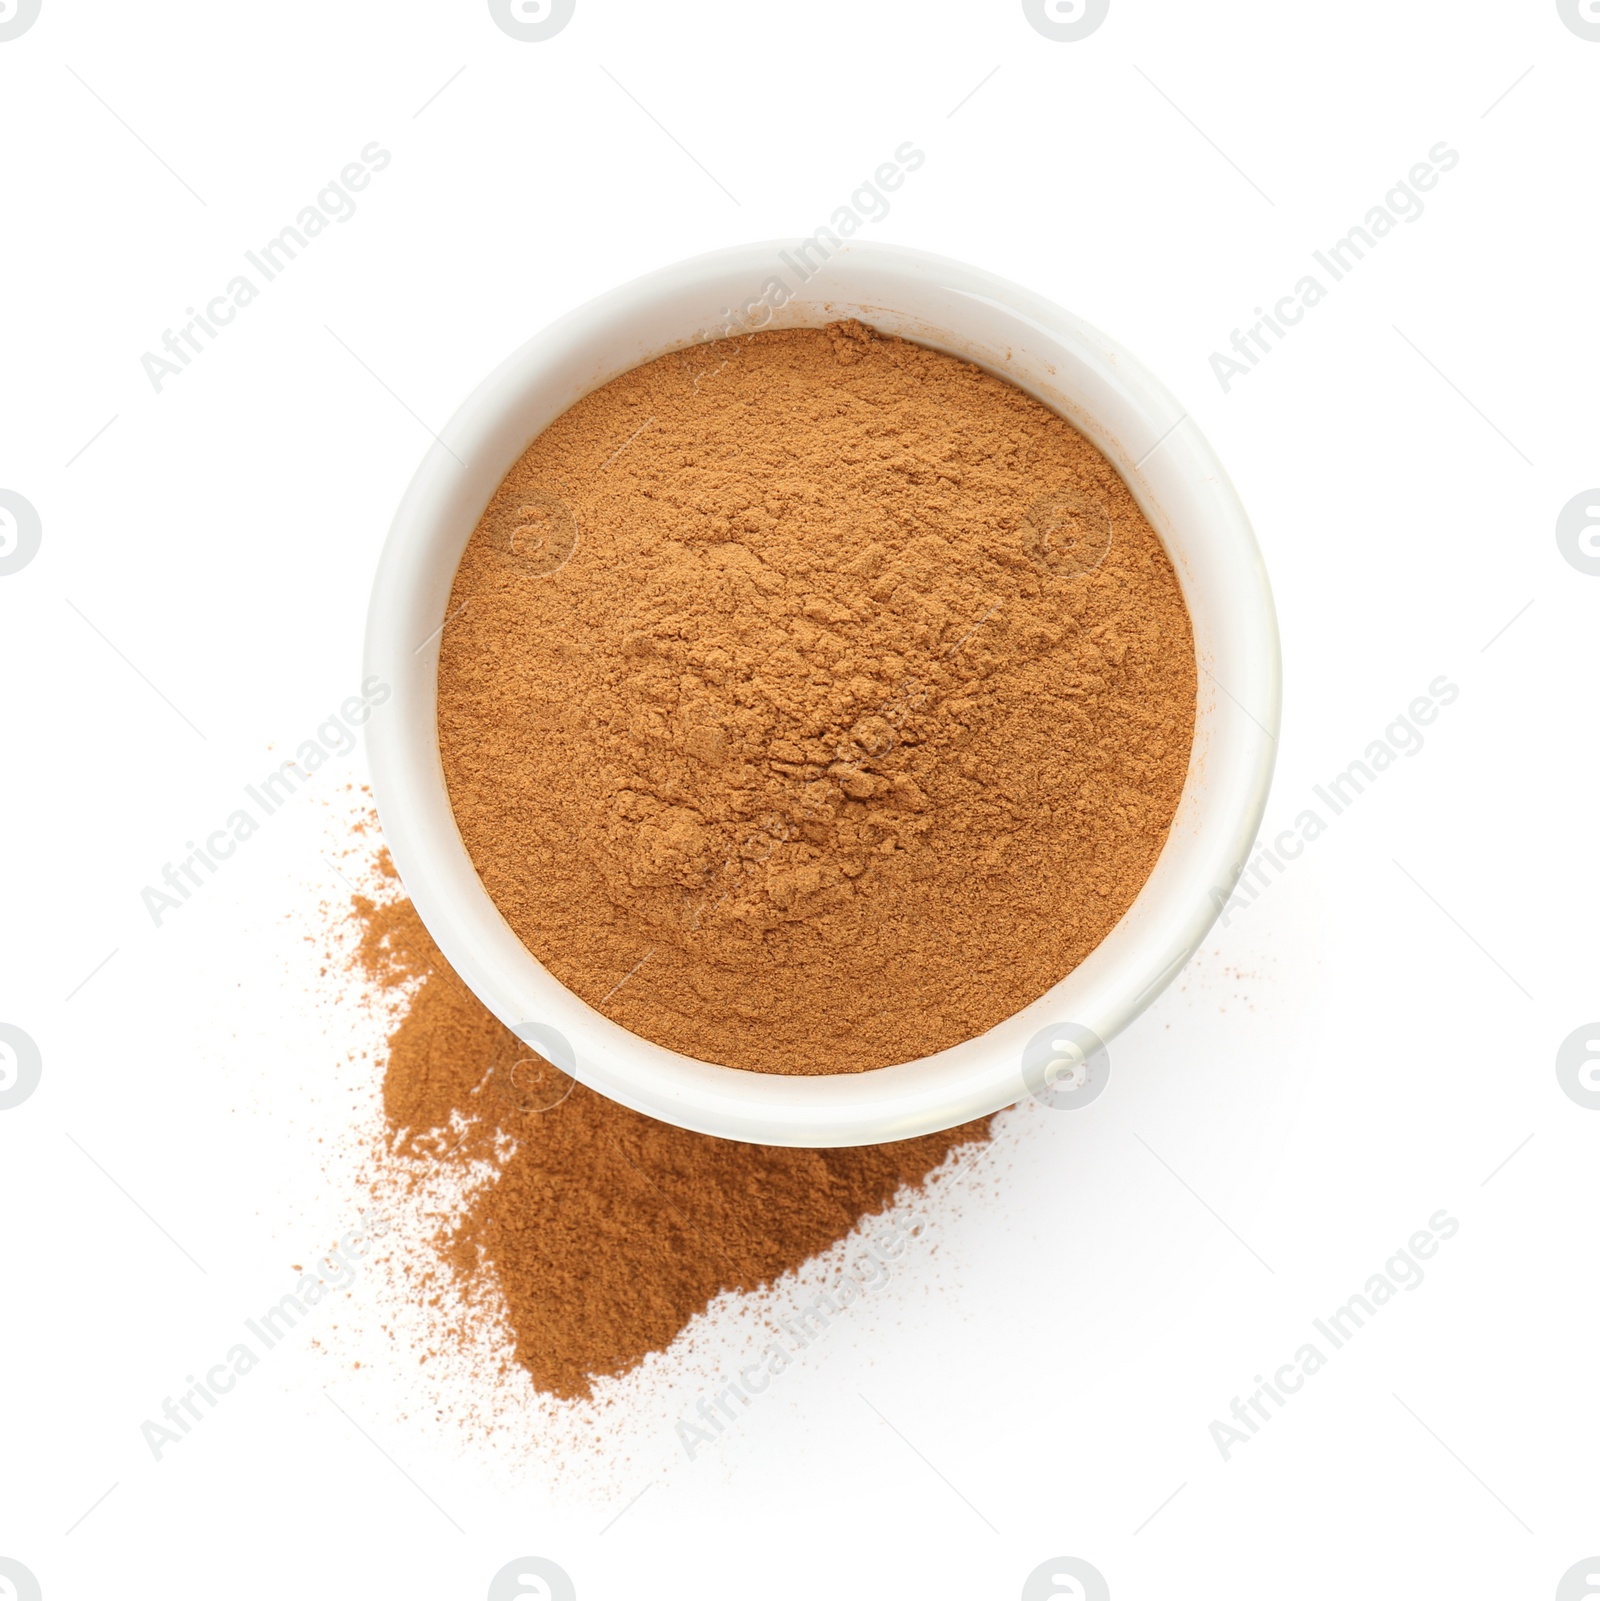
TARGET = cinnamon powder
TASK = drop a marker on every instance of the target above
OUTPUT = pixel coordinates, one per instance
(603, 1232)
(812, 701)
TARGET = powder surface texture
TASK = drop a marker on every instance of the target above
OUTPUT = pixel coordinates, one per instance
(813, 701)
(603, 1232)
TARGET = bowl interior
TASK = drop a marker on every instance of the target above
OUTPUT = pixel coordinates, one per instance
(1072, 368)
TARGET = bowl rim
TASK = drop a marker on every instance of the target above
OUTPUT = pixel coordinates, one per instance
(1082, 374)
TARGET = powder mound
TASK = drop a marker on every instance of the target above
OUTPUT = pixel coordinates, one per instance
(603, 1232)
(851, 719)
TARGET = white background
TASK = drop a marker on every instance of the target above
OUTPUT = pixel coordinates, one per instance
(1368, 1043)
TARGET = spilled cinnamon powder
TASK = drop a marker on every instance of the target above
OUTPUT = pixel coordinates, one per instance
(809, 702)
(602, 1233)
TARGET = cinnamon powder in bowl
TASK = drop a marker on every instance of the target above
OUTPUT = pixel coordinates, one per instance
(817, 696)
(813, 701)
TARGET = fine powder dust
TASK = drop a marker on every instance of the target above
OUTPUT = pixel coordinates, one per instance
(813, 701)
(602, 1233)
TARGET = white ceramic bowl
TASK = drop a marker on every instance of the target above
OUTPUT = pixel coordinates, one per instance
(1073, 368)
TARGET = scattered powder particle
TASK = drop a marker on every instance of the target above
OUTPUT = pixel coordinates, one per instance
(603, 1232)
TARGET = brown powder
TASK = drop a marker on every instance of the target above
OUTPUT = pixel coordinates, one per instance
(813, 701)
(604, 1232)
